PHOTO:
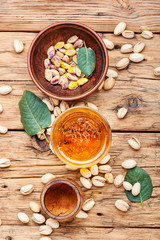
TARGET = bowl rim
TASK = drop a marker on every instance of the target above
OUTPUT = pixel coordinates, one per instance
(42, 89)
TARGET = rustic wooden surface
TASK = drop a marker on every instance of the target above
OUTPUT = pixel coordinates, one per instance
(136, 87)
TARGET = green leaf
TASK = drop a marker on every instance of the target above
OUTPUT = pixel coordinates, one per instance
(34, 113)
(86, 60)
(138, 174)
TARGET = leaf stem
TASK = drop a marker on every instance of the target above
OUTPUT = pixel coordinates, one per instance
(141, 199)
(44, 135)
(85, 44)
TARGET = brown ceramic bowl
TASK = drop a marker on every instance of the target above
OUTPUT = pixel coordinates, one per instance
(61, 31)
(61, 199)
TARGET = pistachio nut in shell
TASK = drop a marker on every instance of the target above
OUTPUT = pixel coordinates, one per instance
(81, 214)
(3, 129)
(123, 63)
(23, 217)
(1, 108)
(122, 112)
(98, 181)
(85, 172)
(121, 205)
(86, 182)
(112, 73)
(18, 46)
(138, 47)
(109, 177)
(53, 223)
(118, 181)
(45, 230)
(38, 218)
(35, 207)
(5, 89)
(45, 238)
(134, 143)
(88, 204)
(127, 48)
(27, 189)
(157, 71)
(109, 44)
(128, 34)
(105, 168)
(5, 162)
(147, 34)
(120, 28)
(136, 57)
(136, 189)
(128, 164)
(47, 177)
(48, 103)
(91, 105)
(109, 83)
(69, 167)
(105, 159)
(127, 186)
(94, 170)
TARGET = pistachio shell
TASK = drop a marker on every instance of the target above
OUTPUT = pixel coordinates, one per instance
(147, 34)
(48, 103)
(5, 89)
(109, 177)
(123, 63)
(1, 108)
(128, 164)
(57, 111)
(119, 28)
(136, 57)
(53, 223)
(105, 168)
(121, 205)
(122, 112)
(91, 105)
(126, 48)
(68, 167)
(134, 143)
(38, 218)
(80, 104)
(45, 230)
(86, 182)
(88, 204)
(23, 217)
(136, 189)
(18, 46)
(54, 101)
(4, 162)
(98, 181)
(112, 73)
(138, 47)
(109, 44)
(142, 28)
(85, 172)
(64, 106)
(35, 207)
(118, 181)
(157, 71)
(81, 214)
(45, 238)
(94, 170)
(105, 159)
(27, 189)
(128, 34)
(109, 83)
(47, 177)
(127, 186)
(101, 86)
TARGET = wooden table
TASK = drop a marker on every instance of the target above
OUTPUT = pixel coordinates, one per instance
(136, 87)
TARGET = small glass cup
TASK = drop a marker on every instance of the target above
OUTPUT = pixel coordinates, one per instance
(81, 137)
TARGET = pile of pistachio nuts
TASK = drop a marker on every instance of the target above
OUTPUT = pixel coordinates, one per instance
(61, 64)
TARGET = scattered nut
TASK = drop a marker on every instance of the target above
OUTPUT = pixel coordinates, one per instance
(118, 181)
(57, 111)
(120, 28)
(109, 83)
(88, 204)
(91, 105)
(45, 238)
(45, 230)
(127, 48)
(128, 34)
(53, 223)
(109, 44)
(54, 101)
(147, 34)
(128, 164)
(48, 103)
(127, 186)
(52, 120)
(35, 207)
(79, 104)
(136, 57)
(138, 47)
(122, 205)
(112, 73)
(23, 217)
(47, 177)
(4, 162)
(134, 143)
(38, 218)
(109, 177)
(64, 106)
(94, 170)
(72, 168)
(18, 46)
(98, 181)
(105, 168)
(122, 112)
(72, 39)
(123, 63)
(5, 89)
(136, 189)
(81, 214)
(1, 108)
(105, 159)
(86, 182)
(101, 86)
(85, 172)
(157, 71)
(27, 189)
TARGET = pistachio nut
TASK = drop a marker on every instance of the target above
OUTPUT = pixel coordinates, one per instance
(72, 39)
(18, 46)
(85, 172)
(47, 177)
(123, 63)
(53, 223)
(121, 205)
(38, 218)
(77, 71)
(105, 168)
(63, 81)
(134, 143)
(49, 104)
(142, 28)
(118, 181)
(88, 204)
(54, 72)
(105, 159)
(91, 105)
(35, 207)
(101, 86)
(86, 182)
(79, 104)
(78, 43)
(45, 238)
(136, 57)
(56, 61)
(147, 34)
(1, 108)
(109, 44)
(47, 63)
(57, 111)
(54, 102)
(94, 170)
(27, 189)
(109, 177)
(48, 74)
(65, 65)
(70, 52)
(52, 120)
(120, 28)
(4, 162)
(157, 71)
(122, 112)
(72, 168)
(73, 85)
(128, 34)
(59, 54)
(75, 58)
(81, 214)
(109, 83)
(138, 47)
(45, 230)
(127, 48)
(62, 71)
(3, 129)
(51, 52)
(23, 217)
(98, 181)
(128, 164)
(112, 73)
(127, 186)
(5, 89)
(65, 59)
(40, 136)
(62, 50)
(71, 70)
(59, 45)
(55, 80)
(69, 46)
(136, 189)
(64, 106)
(72, 77)
(82, 81)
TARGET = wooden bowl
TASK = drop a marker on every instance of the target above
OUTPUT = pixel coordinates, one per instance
(61, 199)
(61, 31)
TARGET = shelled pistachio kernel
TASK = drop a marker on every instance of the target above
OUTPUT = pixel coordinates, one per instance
(85, 172)
(82, 81)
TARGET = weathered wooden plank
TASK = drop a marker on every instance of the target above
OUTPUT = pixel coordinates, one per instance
(102, 15)
(31, 232)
